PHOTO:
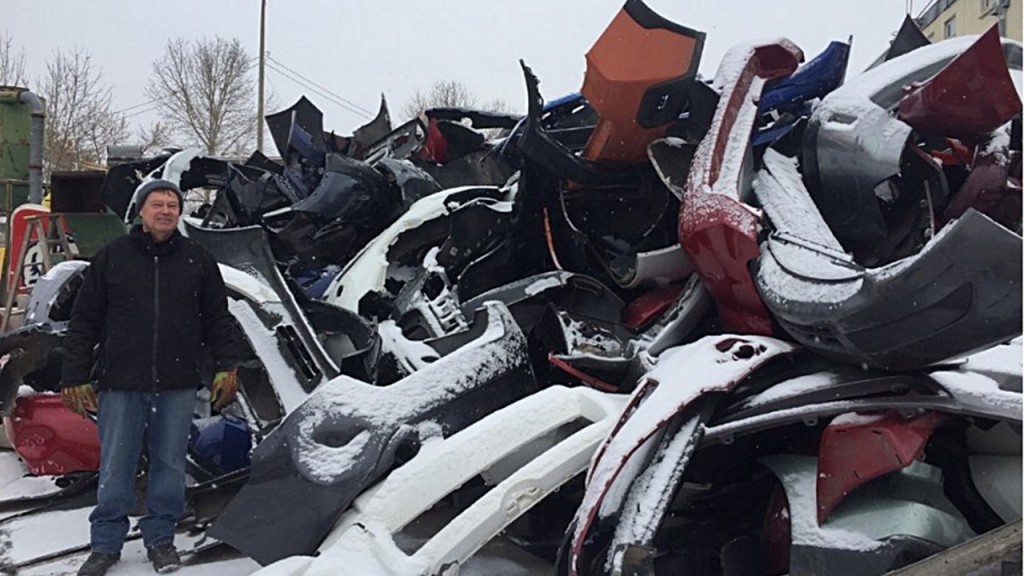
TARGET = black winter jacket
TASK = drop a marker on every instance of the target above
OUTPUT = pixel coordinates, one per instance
(152, 308)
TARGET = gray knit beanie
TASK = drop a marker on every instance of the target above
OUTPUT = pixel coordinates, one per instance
(143, 191)
(152, 185)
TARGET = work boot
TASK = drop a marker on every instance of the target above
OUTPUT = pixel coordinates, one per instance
(164, 558)
(97, 564)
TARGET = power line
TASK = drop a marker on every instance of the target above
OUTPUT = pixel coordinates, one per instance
(368, 113)
(277, 66)
(324, 88)
(140, 105)
(152, 108)
(153, 103)
(330, 98)
(326, 95)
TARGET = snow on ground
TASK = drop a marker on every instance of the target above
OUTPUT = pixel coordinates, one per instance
(507, 560)
(134, 563)
(72, 526)
(499, 558)
(978, 380)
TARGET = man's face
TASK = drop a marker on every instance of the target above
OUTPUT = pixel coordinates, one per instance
(160, 213)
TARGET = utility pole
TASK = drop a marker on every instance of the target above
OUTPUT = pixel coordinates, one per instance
(262, 73)
(1001, 10)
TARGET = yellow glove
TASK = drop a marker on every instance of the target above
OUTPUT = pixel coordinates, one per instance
(225, 384)
(79, 398)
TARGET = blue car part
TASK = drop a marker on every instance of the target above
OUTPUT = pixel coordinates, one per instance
(223, 441)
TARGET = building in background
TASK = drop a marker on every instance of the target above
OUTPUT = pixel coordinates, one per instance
(948, 18)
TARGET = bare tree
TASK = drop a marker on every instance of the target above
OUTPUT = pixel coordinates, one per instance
(80, 118)
(206, 94)
(449, 94)
(442, 94)
(499, 105)
(12, 63)
(153, 137)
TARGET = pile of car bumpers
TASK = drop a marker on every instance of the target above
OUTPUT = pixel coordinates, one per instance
(767, 323)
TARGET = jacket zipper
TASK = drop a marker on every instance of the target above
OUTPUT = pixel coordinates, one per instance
(156, 317)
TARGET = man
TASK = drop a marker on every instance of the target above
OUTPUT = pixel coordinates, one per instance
(152, 301)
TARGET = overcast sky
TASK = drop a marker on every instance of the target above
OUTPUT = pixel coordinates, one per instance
(358, 49)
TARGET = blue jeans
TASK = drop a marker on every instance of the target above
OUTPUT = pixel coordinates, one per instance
(126, 420)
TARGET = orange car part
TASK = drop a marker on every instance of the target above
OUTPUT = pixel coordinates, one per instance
(638, 73)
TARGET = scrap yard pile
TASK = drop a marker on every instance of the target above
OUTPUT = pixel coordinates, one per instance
(758, 324)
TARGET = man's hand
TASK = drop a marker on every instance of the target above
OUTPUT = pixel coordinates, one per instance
(80, 399)
(225, 384)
